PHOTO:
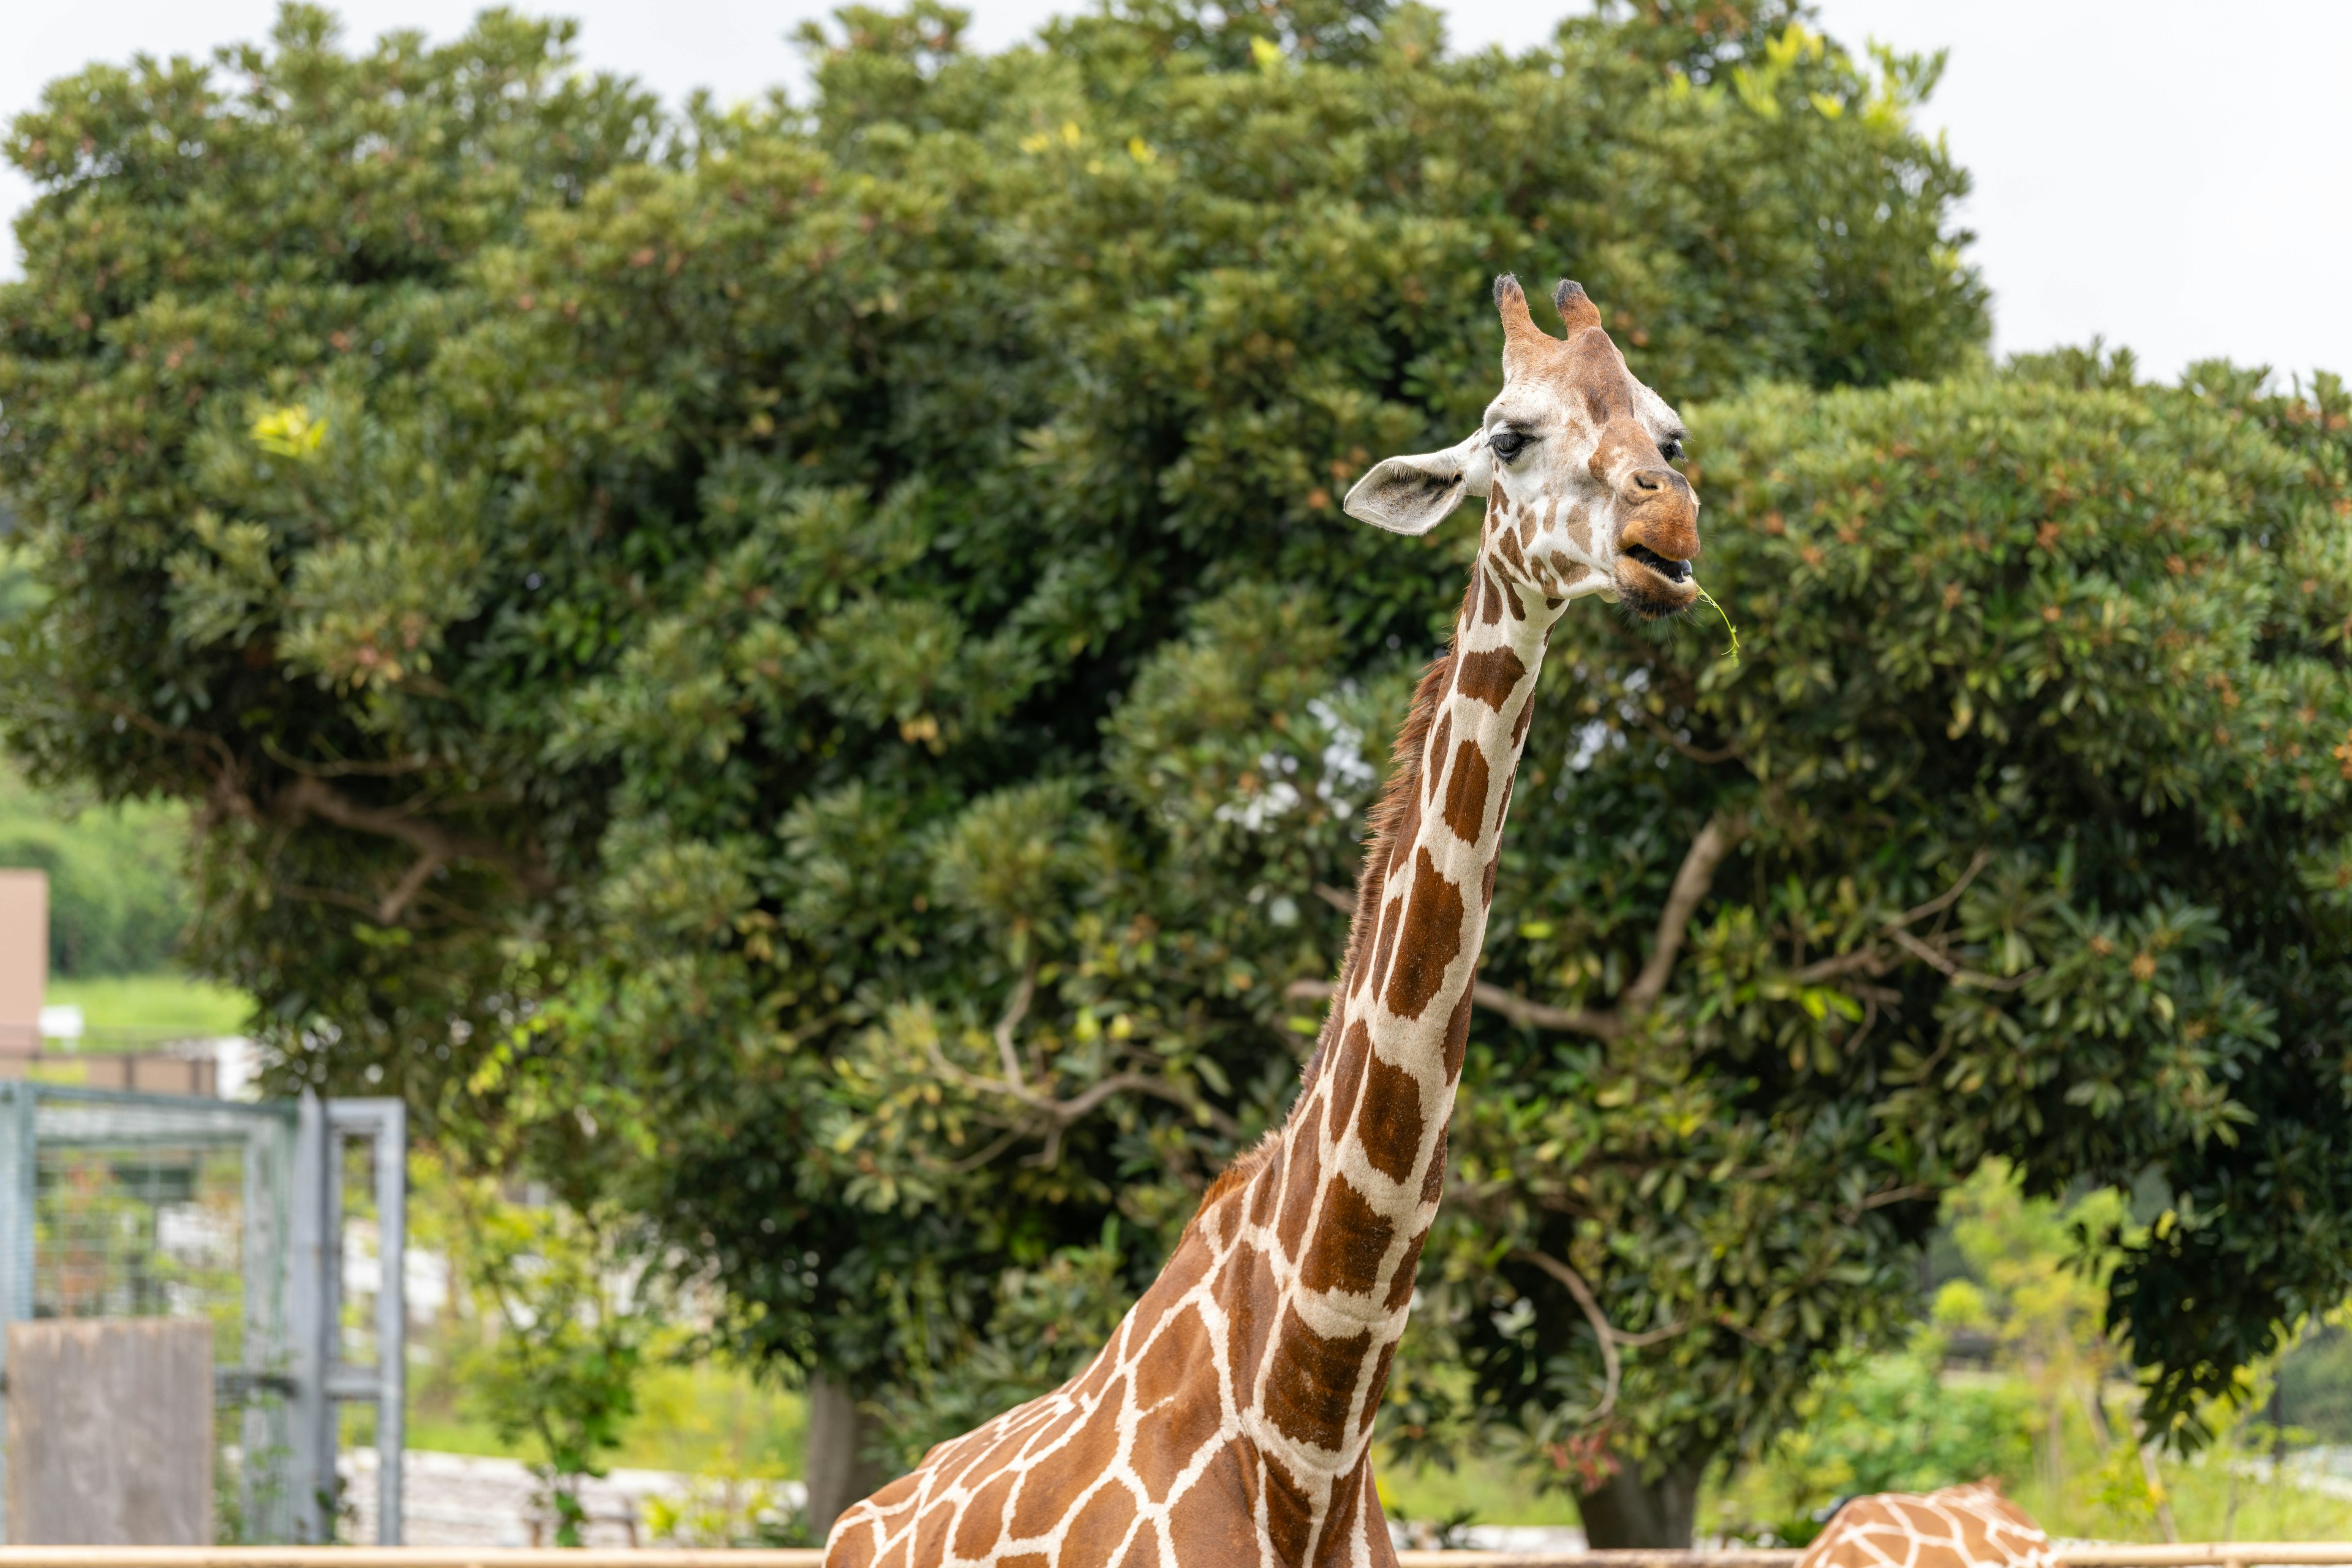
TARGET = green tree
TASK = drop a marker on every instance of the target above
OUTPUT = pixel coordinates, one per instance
(636, 607)
(2020, 828)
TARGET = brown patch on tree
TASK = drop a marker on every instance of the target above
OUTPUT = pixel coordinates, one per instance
(1489, 676)
(1351, 1241)
(1430, 939)
(1466, 783)
(1390, 1125)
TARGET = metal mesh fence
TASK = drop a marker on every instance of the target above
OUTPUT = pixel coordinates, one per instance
(115, 1205)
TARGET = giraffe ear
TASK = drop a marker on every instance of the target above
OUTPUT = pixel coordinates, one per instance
(1413, 495)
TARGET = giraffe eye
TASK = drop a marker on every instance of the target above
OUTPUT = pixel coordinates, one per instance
(1671, 449)
(1506, 444)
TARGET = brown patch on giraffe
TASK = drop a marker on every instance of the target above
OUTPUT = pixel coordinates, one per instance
(1390, 1124)
(982, 1523)
(1050, 1430)
(933, 1526)
(1186, 1268)
(1437, 749)
(1024, 1560)
(1398, 810)
(1298, 1195)
(1246, 1291)
(1187, 1413)
(1312, 1381)
(1407, 828)
(1379, 1384)
(1506, 545)
(1429, 942)
(1289, 1513)
(1401, 1283)
(1489, 676)
(1267, 1188)
(1457, 1027)
(1040, 1504)
(1143, 1552)
(1351, 1241)
(1355, 1049)
(1091, 1382)
(1432, 1181)
(1099, 1529)
(1216, 1519)
(1466, 783)
(1490, 596)
(1340, 1522)
(1376, 973)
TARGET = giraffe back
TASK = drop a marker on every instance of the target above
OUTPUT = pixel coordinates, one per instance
(1971, 1526)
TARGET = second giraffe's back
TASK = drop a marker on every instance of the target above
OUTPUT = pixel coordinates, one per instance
(1971, 1526)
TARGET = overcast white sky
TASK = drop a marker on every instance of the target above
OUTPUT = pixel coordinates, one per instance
(2174, 176)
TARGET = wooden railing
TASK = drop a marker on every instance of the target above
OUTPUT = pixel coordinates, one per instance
(2206, 1554)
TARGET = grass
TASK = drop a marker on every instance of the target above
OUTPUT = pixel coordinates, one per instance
(127, 1012)
(2200, 1491)
(1489, 1490)
(705, 1419)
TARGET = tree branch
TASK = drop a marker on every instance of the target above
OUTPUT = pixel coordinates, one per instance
(390, 768)
(1602, 1330)
(1014, 1011)
(313, 797)
(1691, 884)
(1519, 1009)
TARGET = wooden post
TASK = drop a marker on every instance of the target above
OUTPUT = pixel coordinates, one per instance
(110, 1432)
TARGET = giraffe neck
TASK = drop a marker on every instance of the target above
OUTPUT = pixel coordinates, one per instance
(1363, 1156)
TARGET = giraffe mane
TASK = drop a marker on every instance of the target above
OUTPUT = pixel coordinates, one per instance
(1393, 814)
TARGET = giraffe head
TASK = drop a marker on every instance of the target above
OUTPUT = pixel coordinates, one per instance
(1572, 459)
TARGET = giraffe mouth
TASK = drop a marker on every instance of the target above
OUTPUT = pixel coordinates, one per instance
(1674, 571)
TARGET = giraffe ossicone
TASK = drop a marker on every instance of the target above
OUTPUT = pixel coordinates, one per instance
(1229, 1420)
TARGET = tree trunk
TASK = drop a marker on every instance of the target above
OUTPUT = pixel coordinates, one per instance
(1629, 1510)
(838, 1469)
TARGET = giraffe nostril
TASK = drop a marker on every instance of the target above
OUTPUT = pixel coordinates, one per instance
(1652, 480)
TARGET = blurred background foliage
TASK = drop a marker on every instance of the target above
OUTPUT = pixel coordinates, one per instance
(792, 674)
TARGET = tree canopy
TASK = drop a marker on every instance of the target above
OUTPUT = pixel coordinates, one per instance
(799, 670)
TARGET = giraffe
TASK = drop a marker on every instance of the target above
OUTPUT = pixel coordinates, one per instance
(1971, 1526)
(1229, 1420)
